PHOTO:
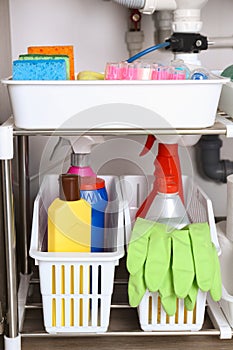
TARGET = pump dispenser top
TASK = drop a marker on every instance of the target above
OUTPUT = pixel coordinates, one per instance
(80, 158)
(81, 149)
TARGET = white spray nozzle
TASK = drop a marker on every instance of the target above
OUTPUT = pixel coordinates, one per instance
(78, 144)
(61, 142)
(83, 144)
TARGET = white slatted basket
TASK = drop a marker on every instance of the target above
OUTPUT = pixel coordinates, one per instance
(152, 316)
(77, 288)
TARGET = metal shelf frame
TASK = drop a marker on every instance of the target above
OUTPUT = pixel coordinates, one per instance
(17, 298)
(222, 126)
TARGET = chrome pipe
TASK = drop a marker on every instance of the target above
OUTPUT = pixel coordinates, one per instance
(217, 128)
(24, 202)
(10, 248)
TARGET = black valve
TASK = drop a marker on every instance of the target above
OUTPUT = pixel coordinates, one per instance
(187, 42)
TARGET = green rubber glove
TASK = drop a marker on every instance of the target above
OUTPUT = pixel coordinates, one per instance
(136, 257)
(216, 288)
(138, 245)
(136, 288)
(182, 263)
(158, 257)
(190, 300)
(202, 255)
(167, 294)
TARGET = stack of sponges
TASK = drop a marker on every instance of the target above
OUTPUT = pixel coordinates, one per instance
(45, 63)
(176, 264)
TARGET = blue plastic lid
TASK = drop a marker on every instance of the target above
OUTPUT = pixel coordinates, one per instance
(199, 76)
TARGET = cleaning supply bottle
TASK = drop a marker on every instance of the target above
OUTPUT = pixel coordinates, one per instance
(81, 149)
(80, 157)
(93, 191)
(69, 218)
(167, 207)
(167, 162)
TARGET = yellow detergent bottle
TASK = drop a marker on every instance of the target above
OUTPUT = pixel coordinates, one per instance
(69, 218)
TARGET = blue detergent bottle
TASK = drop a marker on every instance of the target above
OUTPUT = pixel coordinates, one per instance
(93, 190)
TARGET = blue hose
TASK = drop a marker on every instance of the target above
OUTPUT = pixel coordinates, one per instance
(146, 51)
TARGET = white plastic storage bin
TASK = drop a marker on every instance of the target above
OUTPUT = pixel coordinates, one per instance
(114, 104)
(226, 99)
(152, 317)
(226, 263)
(76, 288)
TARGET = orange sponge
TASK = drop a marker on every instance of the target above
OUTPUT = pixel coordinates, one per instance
(56, 50)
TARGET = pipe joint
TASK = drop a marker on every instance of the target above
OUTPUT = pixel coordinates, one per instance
(151, 6)
(210, 142)
(215, 171)
(132, 4)
(212, 166)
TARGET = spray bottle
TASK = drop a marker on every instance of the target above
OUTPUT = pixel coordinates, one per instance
(167, 206)
(80, 157)
(166, 162)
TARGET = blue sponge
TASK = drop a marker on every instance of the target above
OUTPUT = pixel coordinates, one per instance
(39, 70)
(48, 57)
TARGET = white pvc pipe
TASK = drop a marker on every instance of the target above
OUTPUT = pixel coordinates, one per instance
(187, 16)
(133, 4)
(158, 5)
(149, 6)
(191, 4)
(189, 58)
(187, 13)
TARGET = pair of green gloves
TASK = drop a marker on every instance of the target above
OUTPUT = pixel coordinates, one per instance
(176, 264)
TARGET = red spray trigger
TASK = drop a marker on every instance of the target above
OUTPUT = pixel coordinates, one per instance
(149, 143)
(166, 163)
(142, 211)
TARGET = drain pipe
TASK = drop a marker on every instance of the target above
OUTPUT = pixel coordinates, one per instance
(209, 156)
(149, 6)
(163, 25)
(132, 4)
